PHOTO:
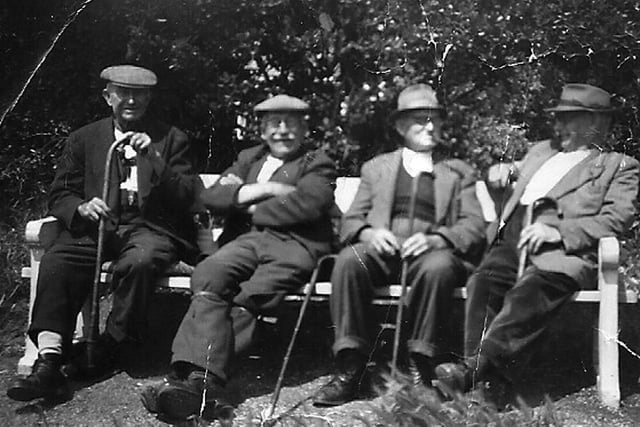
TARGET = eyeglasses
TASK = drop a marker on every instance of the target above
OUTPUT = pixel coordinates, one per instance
(291, 122)
(423, 117)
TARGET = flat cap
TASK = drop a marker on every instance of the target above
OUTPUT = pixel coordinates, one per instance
(129, 76)
(282, 103)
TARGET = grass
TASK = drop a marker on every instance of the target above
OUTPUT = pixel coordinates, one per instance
(404, 404)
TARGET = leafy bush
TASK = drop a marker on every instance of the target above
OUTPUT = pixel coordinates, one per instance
(404, 404)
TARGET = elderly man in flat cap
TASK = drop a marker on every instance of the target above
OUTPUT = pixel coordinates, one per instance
(440, 248)
(278, 197)
(583, 194)
(151, 182)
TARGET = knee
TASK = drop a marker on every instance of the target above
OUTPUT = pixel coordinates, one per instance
(350, 270)
(203, 277)
(442, 264)
(140, 260)
(351, 258)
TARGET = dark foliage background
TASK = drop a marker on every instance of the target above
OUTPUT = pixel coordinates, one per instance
(495, 64)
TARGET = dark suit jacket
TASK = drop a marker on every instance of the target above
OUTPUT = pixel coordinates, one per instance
(164, 192)
(458, 215)
(596, 199)
(302, 214)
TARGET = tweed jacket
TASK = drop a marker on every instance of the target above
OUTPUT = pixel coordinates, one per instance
(165, 191)
(303, 214)
(458, 215)
(596, 198)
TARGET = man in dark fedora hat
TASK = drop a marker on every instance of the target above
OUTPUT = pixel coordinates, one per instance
(441, 247)
(277, 198)
(146, 228)
(510, 303)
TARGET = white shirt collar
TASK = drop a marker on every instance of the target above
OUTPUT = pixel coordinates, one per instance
(415, 162)
(270, 165)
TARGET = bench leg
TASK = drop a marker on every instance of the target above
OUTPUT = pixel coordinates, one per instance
(25, 363)
(608, 360)
(30, 350)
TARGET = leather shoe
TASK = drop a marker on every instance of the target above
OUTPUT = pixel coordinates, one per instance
(342, 388)
(345, 384)
(45, 381)
(456, 377)
(196, 395)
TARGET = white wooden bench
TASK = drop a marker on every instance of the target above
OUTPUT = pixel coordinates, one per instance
(41, 233)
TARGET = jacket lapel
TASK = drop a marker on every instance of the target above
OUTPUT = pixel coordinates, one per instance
(588, 169)
(145, 170)
(288, 172)
(443, 187)
(528, 169)
(387, 183)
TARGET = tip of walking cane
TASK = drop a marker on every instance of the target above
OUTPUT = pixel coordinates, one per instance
(266, 417)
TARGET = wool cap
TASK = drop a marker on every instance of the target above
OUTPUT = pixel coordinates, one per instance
(129, 76)
(282, 103)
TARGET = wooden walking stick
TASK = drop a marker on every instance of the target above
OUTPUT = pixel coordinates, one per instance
(307, 297)
(92, 338)
(528, 220)
(403, 279)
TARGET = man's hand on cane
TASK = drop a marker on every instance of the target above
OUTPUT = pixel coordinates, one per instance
(382, 240)
(419, 243)
(140, 142)
(94, 209)
(535, 235)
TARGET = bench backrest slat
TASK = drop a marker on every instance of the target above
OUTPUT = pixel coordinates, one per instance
(346, 188)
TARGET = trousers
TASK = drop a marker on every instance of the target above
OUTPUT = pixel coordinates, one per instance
(506, 314)
(432, 276)
(66, 274)
(254, 271)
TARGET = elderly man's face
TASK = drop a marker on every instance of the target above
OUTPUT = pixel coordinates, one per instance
(283, 133)
(128, 104)
(579, 129)
(421, 129)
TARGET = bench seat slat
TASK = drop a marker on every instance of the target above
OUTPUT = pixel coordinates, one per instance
(388, 293)
(323, 290)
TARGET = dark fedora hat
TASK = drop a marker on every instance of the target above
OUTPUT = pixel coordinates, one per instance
(583, 97)
(416, 97)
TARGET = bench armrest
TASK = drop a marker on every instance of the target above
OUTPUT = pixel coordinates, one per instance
(608, 383)
(608, 262)
(42, 232)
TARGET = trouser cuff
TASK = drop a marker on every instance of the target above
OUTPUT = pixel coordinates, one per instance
(351, 343)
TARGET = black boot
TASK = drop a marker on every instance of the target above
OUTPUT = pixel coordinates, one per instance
(345, 384)
(46, 381)
(461, 377)
(182, 395)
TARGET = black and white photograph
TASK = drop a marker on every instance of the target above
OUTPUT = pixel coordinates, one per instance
(319, 213)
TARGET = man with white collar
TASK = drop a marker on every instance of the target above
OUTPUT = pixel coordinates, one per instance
(147, 228)
(277, 198)
(446, 240)
(595, 193)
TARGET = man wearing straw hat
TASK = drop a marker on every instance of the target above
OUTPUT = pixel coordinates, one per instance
(278, 196)
(412, 185)
(146, 227)
(511, 302)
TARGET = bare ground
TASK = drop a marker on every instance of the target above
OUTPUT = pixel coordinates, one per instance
(563, 373)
